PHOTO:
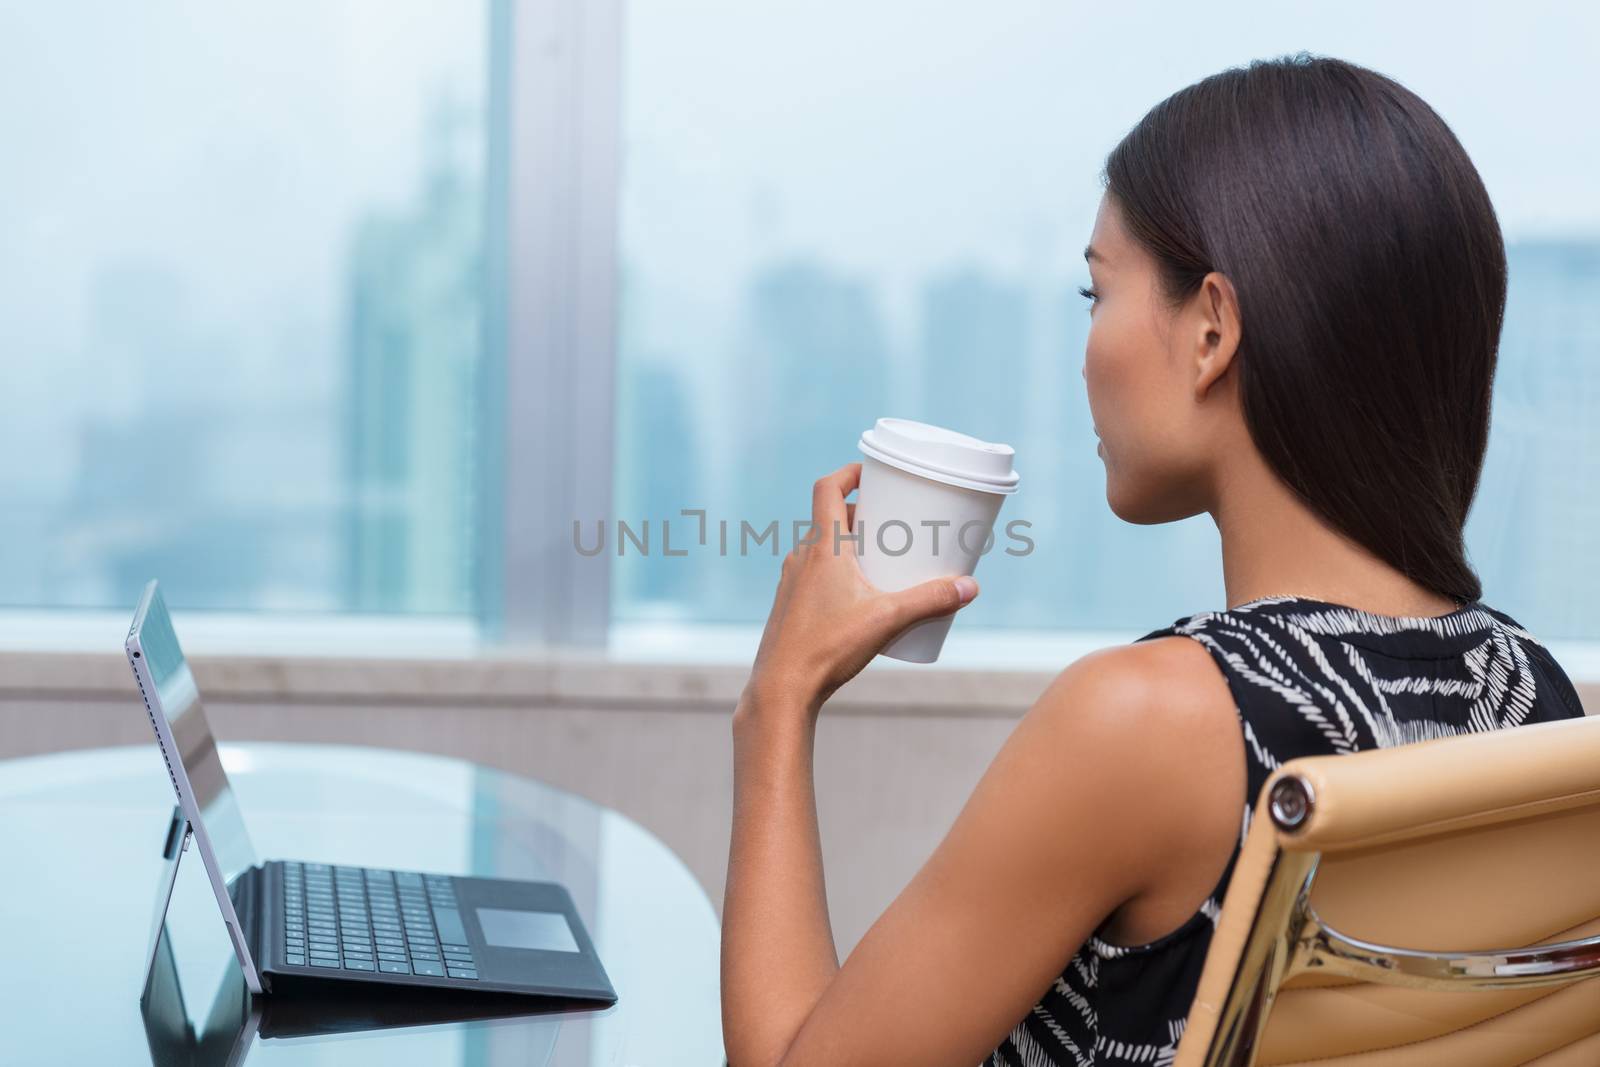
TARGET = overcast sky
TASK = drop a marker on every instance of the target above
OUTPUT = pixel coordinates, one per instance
(898, 134)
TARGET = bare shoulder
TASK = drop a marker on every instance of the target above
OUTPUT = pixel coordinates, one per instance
(1164, 686)
(1167, 754)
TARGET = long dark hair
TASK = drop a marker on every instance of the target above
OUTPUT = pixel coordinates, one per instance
(1371, 279)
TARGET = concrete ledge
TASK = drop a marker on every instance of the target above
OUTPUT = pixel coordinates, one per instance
(509, 681)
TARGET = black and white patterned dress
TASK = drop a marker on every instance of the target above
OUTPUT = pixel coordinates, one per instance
(1307, 678)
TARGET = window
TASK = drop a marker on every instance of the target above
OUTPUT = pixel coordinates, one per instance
(836, 212)
(242, 291)
(356, 307)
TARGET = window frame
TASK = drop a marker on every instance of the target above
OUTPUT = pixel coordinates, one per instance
(550, 328)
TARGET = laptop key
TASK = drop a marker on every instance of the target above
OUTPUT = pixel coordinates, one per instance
(464, 972)
(393, 967)
(294, 959)
(358, 965)
(319, 961)
(431, 968)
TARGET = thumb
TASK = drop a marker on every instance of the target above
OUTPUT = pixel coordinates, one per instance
(939, 596)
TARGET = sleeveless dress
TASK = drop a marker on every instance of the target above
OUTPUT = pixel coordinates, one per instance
(1307, 678)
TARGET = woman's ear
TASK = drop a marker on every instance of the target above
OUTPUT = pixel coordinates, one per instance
(1218, 331)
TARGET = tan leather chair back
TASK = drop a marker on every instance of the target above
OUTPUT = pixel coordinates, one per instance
(1434, 903)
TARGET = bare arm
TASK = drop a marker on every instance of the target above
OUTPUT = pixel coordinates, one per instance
(778, 955)
(1100, 768)
(826, 623)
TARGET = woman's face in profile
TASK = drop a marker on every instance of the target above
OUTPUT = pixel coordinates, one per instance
(1141, 383)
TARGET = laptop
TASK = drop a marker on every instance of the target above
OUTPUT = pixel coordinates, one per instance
(334, 927)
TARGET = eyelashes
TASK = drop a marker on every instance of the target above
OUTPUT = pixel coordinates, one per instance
(1088, 294)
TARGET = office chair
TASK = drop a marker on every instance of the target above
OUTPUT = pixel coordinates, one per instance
(1434, 903)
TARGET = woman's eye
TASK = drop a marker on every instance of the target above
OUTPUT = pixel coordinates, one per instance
(1088, 294)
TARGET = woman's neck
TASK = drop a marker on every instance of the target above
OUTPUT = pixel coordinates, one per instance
(1274, 545)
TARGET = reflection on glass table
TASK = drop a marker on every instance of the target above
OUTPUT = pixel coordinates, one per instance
(87, 833)
(236, 1017)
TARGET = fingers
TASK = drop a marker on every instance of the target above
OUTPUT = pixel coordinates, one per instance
(931, 599)
(828, 509)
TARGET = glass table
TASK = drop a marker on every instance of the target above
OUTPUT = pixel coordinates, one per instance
(81, 840)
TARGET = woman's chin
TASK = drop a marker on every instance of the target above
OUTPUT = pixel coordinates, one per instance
(1132, 504)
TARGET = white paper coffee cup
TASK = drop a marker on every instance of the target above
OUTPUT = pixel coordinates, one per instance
(926, 507)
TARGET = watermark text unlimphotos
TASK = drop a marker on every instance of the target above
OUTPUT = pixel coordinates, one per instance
(741, 537)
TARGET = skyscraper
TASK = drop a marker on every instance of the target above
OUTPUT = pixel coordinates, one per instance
(414, 356)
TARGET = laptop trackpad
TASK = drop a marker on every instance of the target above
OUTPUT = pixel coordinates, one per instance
(528, 934)
(544, 930)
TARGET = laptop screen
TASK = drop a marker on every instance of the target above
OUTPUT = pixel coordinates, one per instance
(193, 765)
(179, 701)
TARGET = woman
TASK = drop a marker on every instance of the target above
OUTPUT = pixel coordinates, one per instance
(1298, 284)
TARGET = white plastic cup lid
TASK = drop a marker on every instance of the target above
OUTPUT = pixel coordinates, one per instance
(942, 455)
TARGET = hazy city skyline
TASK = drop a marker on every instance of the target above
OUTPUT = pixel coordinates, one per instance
(278, 304)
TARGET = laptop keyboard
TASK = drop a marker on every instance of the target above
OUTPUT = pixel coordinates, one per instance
(359, 919)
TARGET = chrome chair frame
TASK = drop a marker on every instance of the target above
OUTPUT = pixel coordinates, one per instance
(1288, 938)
